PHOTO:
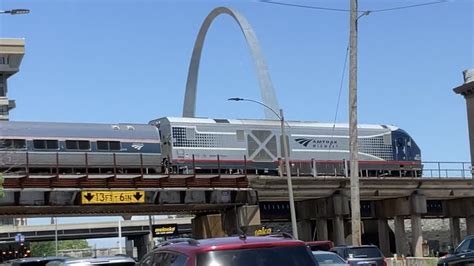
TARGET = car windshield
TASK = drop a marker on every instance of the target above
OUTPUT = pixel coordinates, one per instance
(327, 258)
(364, 252)
(274, 256)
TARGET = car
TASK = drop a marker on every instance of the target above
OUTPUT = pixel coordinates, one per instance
(106, 260)
(32, 261)
(463, 254)
(231, 251)
(369, 255)
(328, 258)
(324, 245)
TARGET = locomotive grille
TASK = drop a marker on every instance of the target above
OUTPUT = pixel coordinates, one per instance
(376, 146)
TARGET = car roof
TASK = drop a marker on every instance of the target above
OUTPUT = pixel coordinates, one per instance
(324, 252)
(103, 259)
(31, 259)
(319, 242)
(361, 246)
(227, 243)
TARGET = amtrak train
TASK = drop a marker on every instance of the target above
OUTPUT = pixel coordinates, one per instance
(203, 145)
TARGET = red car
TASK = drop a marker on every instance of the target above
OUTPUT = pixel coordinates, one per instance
(320, 245)
(231, 251)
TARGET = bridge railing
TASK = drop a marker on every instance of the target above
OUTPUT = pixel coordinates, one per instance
(433, 169)
(56, 165)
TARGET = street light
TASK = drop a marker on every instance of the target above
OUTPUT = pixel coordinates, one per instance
(15, 11)
(287, 161)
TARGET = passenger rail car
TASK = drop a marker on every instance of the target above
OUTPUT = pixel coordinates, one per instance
(78, 148)
(210, 145)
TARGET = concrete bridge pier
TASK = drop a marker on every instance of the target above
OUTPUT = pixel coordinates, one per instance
(318, 211)
(243, 219)
(400, 237)
(129, 247)
(384, 236)
(455, 231)
(309, 212)
(414, 207)
(418, 207)
(470, 224)
(338, 230)
(341, 209)
(140, 242)
(321, 229)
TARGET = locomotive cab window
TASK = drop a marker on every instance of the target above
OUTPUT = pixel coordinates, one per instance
(12, 144)
(108, 145)
(45, 144)
(78, 145)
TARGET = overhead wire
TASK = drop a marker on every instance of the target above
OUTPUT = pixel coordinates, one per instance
(348, 10)
(338, 102)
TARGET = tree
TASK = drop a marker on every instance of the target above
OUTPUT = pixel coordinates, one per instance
(48, 248)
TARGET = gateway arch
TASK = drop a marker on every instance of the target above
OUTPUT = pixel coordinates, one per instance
(263, 76)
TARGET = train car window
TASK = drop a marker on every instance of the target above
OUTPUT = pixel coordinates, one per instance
(84, 145)
(77, 145)
(45, 144)
(102, 145)
(114, 145)
(52, 144)
(108, 145)
(12, 144)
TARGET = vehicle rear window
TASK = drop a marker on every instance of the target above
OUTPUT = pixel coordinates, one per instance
(365, 252)
(322, 247)
(329, 259)
(275, 256)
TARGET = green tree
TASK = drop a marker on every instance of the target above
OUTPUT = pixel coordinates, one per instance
(48, 248)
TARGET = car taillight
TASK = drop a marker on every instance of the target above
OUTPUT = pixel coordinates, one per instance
(385, 262)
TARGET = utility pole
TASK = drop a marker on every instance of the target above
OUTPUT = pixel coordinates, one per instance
(355, 196)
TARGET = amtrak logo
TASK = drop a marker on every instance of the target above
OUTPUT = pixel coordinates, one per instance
(317, 143)
(304, 142)
(137, 146)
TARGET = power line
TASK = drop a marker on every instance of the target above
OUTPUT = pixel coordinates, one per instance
(410, 6)
(347, 10)
(305, 6)
(338, 100)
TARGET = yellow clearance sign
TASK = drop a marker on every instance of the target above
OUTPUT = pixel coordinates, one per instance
(113, 197)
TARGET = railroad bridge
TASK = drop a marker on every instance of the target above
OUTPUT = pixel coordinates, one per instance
(223, 203)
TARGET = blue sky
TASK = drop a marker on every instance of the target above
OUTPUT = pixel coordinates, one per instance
(127, 61)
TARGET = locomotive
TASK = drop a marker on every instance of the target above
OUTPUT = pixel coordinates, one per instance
(203, 145)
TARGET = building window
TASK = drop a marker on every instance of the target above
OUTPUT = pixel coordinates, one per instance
(16, 144)
(3, 110)
(108, 145)
(3, 60)
(45, 144)
(78, 145)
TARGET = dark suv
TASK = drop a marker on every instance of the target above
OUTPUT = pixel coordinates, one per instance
(366, 255)
(231, 251)
(463, 254)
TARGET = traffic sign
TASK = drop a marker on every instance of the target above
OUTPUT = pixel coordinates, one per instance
(19, 237)
(113, 197)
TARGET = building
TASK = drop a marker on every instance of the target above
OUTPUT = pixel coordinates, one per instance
(11, 54)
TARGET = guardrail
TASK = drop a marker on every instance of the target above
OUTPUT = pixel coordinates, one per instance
(432, 169)
(56, 165)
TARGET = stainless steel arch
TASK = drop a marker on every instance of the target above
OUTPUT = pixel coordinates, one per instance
(266, 87)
